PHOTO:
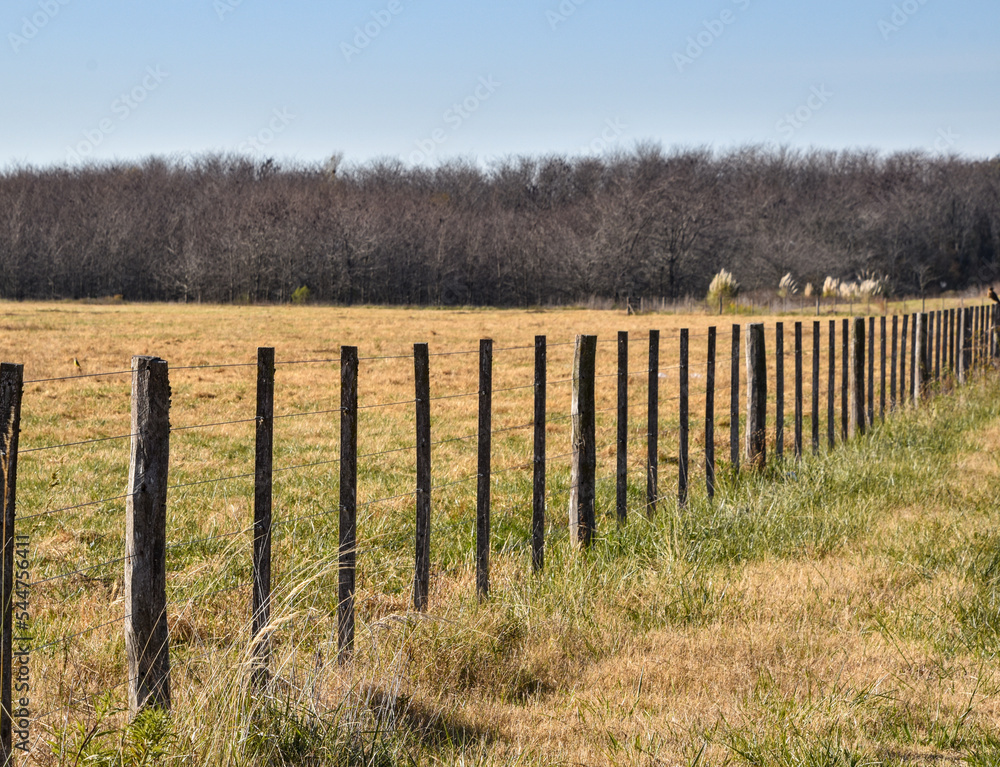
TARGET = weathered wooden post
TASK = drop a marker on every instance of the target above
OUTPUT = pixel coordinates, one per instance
(894, 365)
(260, 607)
(857, 377)
(964, 355)
(734, 401)
(757, 397)
(422, 538)
(815, 388)
(652, 422)
(920, 339)
(348, 550)
(483, 464)
(902, 361)
(871, 371)
(584, 462)
(11, 388)
(538, 480)
(844, 379)
(938, 317)
(913, 357)
(881, 388)
(146, 638)
(621, 468)
(831, 387)
(710, 416)
(682, 446)
(798, 391)
(779, 390)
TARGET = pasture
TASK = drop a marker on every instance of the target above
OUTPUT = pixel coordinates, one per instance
(841, 610)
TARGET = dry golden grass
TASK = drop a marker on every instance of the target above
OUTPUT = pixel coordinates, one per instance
(811, 640)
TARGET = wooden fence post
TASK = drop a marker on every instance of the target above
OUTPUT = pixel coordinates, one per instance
(483, 464)
(757, 397)
(11, 388)
(584, 465)
(920, 340)
(881, 386)
(913, 359)
(902, 361)
(538, 480)
(871, 371)
(146, 637)
(815, 388)
(734, 401)
(710, 416)
(621, 473)
(845, 365)
(831, 387)
(682, 446)
(964, 355)
(938, 318)
(779, 390)
(348, 501)
(798, 391)
(652, 422)
(857, 374)
(422, 539)
(893, 366)
(952, 336)
(260, 607)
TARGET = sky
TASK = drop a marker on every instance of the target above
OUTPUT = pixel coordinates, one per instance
(425, 81)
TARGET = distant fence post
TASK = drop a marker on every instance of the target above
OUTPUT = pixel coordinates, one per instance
(483, 471)
(756, 397)
(913, 359)
(682, 446)
(263, 478)
(11, 387)
(815, 388)
(964, 355)
(798, 391)
(881, 386)
(621, 468)
(348, 501)
(146, 637)
(902, 361)
(779, 390)
(871, 371)
(845, 364)
(734, 401)
(584, 465)
(422, 547)
(831, 387)
(920, 340)
(652, 422)
(938, 318)
(857, 377)
(710, 416)
(538, 480)
(952, 335)
(893, 365)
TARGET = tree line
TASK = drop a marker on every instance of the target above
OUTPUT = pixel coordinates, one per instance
(521, 231)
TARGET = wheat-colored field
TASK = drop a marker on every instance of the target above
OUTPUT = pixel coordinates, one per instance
(839, 611)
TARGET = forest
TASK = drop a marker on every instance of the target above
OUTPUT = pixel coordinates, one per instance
(519, 231)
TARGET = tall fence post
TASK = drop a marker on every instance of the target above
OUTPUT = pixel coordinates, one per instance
(845, 364)
(857, 377)
(938, 318)
(952, 341)
(621, 468)
(779, 390)
(710, 416)
(893, 365)
(652, 422)
(964, 355)
(815, 387)
(871, 371)
(11, 387)
(902, 360)
(348, 501)
(881, 386)
(913, 360)
(734, 401)
(584, 465)
(146, 637)
(263, 478)
(831, 387)
(798, 391)
(422, 538)
(483, 468)
(920, 340)
(756, 397)
(538, 480)
(682, 446)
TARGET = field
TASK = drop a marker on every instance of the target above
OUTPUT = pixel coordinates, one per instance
(843, 610)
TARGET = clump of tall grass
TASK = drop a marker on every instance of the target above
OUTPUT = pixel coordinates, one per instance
(723, 287)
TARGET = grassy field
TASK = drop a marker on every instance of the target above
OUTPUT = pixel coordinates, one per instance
(841, 611)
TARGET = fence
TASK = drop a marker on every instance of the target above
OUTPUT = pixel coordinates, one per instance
(884, 363)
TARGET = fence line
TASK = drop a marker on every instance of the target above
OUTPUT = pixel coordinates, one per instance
(943, 347)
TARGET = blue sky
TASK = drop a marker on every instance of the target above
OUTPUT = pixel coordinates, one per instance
(428, 80)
